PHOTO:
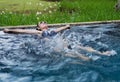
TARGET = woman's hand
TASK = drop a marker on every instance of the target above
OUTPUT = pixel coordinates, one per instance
(68, 26)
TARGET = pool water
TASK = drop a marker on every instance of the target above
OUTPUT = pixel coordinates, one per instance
(30, 58)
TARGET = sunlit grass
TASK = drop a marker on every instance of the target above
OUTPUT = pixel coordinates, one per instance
(24, 5)
(58, 12)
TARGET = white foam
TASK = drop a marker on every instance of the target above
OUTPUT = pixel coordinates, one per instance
(112, 53)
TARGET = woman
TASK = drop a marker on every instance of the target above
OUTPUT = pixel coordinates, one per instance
(42, 28)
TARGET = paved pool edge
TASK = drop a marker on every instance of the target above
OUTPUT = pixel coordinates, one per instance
(61, 24)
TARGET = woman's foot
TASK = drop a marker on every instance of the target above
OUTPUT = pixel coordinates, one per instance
(109, 53)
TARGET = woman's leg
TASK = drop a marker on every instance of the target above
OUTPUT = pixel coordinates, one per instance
(90, 49)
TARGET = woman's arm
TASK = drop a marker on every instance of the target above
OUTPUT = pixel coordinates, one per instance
(62, 28)
(22, 31)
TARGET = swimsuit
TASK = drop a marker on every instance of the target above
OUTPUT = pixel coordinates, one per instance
(48, 33)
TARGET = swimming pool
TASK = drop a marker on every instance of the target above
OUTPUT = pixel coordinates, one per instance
(29, 58)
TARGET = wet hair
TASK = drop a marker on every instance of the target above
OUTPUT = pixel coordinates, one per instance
(43, 22)
(38, 25)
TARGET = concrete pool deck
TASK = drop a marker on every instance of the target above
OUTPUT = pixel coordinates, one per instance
(61, 24)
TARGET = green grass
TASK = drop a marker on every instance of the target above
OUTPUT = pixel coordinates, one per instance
(95, 10)
(24, 5)
(67, 11)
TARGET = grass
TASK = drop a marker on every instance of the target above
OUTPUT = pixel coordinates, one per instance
(24, 5)
(22, 12)
(87, 10)
(31, 11)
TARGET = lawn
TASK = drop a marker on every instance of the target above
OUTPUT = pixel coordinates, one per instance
(25, 12)
(24, 5)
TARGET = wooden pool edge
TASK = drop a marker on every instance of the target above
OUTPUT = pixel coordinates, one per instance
(61, 24)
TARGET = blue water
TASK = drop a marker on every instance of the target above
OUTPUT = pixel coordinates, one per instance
(29, 58)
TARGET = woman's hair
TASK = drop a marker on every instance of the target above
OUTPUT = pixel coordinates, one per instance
(37, 28)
